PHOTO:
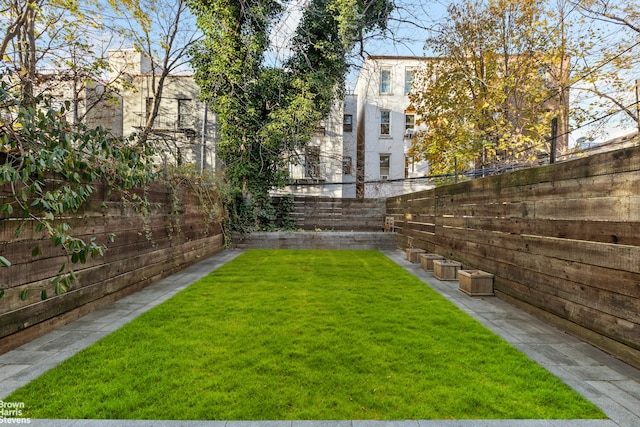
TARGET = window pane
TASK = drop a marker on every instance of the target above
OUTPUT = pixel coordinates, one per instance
(347, 165)
(312, 161)
(385, 81)
(384, 164)
(409, 74)
(409, 121)
(185, 113)
(385, 117)
(347, 123)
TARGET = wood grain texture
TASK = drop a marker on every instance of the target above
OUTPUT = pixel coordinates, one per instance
(562, 241)
(174, 234)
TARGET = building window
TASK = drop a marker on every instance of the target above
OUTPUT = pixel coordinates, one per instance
(409, 121)
(384, 166)
(347, 123)
(385, 122)
(409, 75)
(347, 165)
(185, 113)
(312, 161)
(385, 81)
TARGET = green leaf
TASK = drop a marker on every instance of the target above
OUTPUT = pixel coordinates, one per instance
(4, 262)
(24, 294)
(1, 293)
(43, 294)
(19, 230)
(36, 251)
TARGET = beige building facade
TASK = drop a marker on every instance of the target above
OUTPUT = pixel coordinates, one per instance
(184, 130)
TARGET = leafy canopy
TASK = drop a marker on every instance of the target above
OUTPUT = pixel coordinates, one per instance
(491, 91)
(266, 113)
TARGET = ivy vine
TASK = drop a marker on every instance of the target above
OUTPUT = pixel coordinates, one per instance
(50, 168)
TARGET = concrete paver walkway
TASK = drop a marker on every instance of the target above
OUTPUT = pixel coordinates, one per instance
(612, 385)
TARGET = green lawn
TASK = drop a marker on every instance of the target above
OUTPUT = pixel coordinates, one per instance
(293, 334)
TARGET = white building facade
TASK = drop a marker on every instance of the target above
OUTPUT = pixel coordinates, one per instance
(360, 149)
(386, 124)
(326, 167)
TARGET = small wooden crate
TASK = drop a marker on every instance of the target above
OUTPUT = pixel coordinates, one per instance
(445, 269)
(475, 282)
(413, 255)
(426, 261)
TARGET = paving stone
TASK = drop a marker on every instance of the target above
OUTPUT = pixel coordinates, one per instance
(259, 424)
(630, 386)
(519, 423)
(376, 423)
(24, 357)
(8, 371)
(43, 340)
(618, 414)
(35, 422)
(553, 356)
(454, 423)
(65, 341)
(8, 386)
(583, 423)
(595, 373)
(336, 423)
(630, 401)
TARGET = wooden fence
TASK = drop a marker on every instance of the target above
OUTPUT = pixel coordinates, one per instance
(177, 232)
(331, 214)
(562, 240)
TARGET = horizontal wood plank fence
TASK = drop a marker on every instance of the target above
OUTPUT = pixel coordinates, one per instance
(563, 241)
(334, 214)
(177, 232)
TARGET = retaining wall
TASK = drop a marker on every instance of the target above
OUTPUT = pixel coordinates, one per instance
(317, 240)
(329, 214)
(562, 241)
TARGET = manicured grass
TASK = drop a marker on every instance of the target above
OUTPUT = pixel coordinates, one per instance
(303, 335)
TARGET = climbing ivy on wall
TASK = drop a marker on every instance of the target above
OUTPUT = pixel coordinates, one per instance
(267, 112)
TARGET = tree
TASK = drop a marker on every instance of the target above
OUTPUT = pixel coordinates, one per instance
(53, 47)
(609, 57)
(163, 31)
(266, 113)
(490, 93)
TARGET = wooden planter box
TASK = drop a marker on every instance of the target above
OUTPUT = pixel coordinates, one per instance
(444, 269)
(413, 255)
(475, 282)
(426, 261)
